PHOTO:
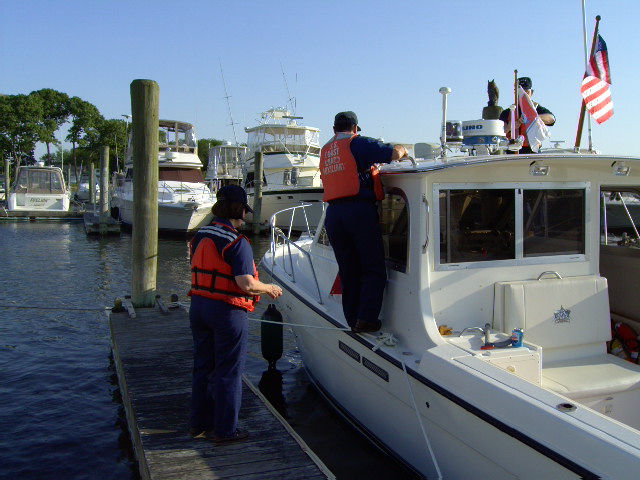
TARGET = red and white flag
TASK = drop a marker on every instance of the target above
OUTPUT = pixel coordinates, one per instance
(595, 86)
(535, 129)
(597, 98)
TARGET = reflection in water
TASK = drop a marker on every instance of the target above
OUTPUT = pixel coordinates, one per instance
(271, 387)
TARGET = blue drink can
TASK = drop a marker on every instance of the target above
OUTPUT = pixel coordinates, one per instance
(516, 337)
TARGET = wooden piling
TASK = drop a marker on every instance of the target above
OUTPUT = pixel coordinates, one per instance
(92, 184)
(144, 108)
(7, 179)
(257, 192)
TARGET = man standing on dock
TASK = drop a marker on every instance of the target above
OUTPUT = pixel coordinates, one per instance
(224, 287)
(351, 187)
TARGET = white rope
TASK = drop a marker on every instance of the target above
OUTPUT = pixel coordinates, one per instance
(385, 338)
(261, 320)
(424, 432)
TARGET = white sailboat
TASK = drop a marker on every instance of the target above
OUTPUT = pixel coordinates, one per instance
(479, 248)
(291, 175)
(184, 199)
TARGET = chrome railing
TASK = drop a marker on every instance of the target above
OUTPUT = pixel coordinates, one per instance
(281, 239)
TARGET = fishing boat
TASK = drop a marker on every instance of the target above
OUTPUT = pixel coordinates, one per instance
(225, 165)
(290, 163)
(492, 360)
(39, 188)
(184, 199)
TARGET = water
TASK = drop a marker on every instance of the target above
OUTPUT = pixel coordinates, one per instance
(61, 414)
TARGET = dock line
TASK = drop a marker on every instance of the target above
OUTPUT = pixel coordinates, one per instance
(79, 309)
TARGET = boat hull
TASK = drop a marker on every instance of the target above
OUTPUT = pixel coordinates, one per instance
(37, 202)
(172, 218)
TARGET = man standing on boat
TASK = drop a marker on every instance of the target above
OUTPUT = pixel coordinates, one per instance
(224, 287)
(543, 113)
(352, 187)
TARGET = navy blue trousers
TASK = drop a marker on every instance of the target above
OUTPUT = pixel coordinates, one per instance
(354, 233)
(219, 348)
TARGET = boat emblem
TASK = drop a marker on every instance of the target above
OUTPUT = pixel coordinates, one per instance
(562, 316)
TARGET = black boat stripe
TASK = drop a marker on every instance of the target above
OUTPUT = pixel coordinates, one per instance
(544, 450)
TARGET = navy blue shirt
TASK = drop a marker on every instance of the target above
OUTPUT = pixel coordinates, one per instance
(239, 255)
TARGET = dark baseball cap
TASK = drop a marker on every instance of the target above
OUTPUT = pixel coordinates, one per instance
(345, 120)
(525, 83)
(234, 194)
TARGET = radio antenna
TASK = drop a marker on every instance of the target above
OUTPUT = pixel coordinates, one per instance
(227, 97)
(292, 100)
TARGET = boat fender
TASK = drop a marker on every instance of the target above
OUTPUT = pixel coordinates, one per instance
(628, 338)
(271, 335)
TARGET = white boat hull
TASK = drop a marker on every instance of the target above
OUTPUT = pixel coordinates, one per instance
(176, 217)
(38, 202)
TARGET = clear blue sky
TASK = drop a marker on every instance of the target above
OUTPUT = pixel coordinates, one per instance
(385, 60)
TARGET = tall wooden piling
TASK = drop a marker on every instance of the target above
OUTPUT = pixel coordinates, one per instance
(7, 179)
(104, 187)
(257, 192)
(92, 184)
(144, 108)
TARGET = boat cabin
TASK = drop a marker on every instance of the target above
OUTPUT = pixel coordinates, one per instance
(39, 188)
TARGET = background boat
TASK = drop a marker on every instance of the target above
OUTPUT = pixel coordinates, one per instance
(291, 175)
(184, 198)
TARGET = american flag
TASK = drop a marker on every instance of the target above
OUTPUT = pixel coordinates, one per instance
(599, 62)
(595, 86)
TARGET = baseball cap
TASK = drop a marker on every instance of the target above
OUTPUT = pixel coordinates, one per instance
(345, 120)
(234, 194)
(525, 83)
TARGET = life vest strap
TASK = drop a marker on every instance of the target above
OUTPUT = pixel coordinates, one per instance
(214, 274)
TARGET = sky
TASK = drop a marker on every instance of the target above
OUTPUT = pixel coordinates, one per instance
(385, 60)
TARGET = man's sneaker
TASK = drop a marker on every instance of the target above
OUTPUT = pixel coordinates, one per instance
(366, 327)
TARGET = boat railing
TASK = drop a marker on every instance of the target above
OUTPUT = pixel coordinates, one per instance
(280, 238)
(186, 190)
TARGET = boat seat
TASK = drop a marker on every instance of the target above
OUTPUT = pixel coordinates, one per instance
(568, 318)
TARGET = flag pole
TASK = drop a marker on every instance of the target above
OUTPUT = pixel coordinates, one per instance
(576, 147)
(514, 114)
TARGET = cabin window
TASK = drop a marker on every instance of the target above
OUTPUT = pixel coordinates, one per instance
(553, 222)
(477, 225)
(191, 175)
(394, 223)
(619, 216)
(511, 223)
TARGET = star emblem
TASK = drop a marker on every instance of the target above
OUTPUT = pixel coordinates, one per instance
(562, 316)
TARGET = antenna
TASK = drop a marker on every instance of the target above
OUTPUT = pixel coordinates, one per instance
(291, 100)
(226, 96)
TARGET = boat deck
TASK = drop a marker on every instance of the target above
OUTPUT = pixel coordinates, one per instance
(153, 356)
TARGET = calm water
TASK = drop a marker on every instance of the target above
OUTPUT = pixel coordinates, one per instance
(61, 415)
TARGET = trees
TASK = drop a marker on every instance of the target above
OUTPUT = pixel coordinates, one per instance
(113, 133)
(19, 117)
(55, 110)
(84, 130)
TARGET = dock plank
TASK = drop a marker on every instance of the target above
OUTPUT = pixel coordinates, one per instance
(153, 355)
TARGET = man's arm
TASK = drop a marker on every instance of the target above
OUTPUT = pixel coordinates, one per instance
(251, 286)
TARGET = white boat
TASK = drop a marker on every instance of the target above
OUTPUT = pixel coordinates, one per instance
(184, 199)
(291, 175)
(83, 193)
(477, 247)
(39, 188)
(225, 165)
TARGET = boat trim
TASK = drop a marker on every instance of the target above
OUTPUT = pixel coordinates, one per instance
(496, 423)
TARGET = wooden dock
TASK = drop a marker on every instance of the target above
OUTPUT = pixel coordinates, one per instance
(94, 225)
(153, 357)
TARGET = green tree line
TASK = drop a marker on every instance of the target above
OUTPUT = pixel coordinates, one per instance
(26, 120)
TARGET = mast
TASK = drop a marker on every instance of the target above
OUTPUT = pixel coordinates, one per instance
(226, 96)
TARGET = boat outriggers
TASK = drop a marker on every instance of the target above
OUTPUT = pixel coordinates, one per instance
(482, 249)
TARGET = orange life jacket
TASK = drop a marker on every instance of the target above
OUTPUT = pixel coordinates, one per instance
(211, 275)
(339, 171)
